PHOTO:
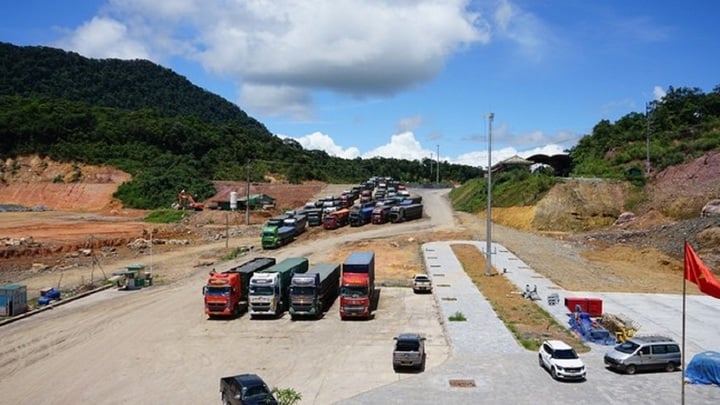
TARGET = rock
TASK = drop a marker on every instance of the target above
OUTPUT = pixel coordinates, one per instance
(711, 209)
(624, 218)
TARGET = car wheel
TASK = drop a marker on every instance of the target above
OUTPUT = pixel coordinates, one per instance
(670, 367)
(540, 362)
(630, 369)
(553, 373)
(225, 400)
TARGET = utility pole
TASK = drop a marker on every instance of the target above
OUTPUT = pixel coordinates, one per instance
(247, 194)
(648, 111)
(437, 179)
(431, 167)
(488, 224)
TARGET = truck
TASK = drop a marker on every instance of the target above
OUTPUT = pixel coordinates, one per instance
(402, 212)
(357, 288)
(297, 221)
(336, 219)
(314, 216)
(381, 212)
(226, 294)
(313, 292)
(361, 214)
(275, 236)
(409, 351)
(269, 288)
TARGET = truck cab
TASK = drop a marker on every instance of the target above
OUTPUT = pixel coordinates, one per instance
(264, 294)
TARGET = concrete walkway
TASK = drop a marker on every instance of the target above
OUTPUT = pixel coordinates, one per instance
(487, 365)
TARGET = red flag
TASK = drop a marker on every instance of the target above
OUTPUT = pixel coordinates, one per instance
(696, 272)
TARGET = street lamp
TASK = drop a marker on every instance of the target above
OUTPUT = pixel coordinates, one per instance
(488, 226)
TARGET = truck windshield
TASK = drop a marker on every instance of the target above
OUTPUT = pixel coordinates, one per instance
(261, 290)
(353, 291)
(302, 290)
(268, 234)
(218, 291)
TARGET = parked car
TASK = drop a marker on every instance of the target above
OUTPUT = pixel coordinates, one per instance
(409, 352)
(245, 389)
(645, 353)
(561, 360)
(421, 283)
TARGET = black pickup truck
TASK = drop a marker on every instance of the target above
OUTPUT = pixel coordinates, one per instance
(245, 389)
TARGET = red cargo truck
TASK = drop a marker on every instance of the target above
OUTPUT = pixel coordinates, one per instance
(357, 287)
(226, 293)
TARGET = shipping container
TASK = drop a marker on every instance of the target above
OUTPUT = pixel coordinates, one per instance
(593, 306)
(13, 299)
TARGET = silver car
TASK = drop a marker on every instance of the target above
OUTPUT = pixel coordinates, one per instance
(645, 353)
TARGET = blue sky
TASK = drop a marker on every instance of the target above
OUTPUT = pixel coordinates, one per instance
(404, 78)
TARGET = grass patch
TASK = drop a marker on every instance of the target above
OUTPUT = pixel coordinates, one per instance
(165, 216)
(525, 319)
(457, 317)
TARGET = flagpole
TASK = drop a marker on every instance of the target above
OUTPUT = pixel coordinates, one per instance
(682, 355)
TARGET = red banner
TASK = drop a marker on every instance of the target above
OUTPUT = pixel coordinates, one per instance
(696, 272)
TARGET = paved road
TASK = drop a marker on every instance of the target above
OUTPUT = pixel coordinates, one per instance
(500, 371)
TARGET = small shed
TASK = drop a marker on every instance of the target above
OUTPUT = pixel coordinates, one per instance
(13, 299)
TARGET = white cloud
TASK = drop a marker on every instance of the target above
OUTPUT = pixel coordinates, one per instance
(401, 146)
(320, 141)
(290, 47)
(104, 38)
(659, 93)
(524, 29)
(480, 158)
(409, 123)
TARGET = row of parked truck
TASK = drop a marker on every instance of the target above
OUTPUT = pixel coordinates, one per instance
(264, 287)
(355, 207)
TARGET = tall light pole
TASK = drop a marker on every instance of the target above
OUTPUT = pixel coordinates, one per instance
(648, 111)
(488, 224)
(437, 179)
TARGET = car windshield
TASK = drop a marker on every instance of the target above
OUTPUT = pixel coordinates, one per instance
(565, 354)
(353, 292)
(627, 347)
(261, 290)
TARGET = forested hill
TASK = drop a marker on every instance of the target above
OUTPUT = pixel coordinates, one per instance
(156, 125)
(126, 84)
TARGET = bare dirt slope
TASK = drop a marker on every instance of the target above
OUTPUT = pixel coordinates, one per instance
(614, 259)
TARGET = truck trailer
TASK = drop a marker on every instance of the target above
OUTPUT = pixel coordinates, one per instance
(269, 288)
(402, 213)
(298, 222)
(226, 293)
(313, 292)
(357, 288)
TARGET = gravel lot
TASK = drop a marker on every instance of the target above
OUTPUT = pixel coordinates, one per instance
(155, 345)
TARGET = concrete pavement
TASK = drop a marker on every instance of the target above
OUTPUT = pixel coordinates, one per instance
(487, 365)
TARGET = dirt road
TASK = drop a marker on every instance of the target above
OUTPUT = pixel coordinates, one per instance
(155, 345)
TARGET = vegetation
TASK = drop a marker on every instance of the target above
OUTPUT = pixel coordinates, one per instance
(682, 126)
(513, 188)
(165, 216)
(286, 396)
(157, 126)
(457, 317)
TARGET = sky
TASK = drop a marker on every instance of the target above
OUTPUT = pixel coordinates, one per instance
(408, 79)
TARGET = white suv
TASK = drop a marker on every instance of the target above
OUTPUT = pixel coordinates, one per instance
(561, 360)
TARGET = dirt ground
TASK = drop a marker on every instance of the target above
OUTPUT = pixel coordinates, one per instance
(86, 235)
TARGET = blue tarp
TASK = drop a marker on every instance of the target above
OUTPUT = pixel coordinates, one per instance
(704, 368)
(589, 330)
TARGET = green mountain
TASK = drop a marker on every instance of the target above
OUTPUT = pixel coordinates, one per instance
(156, 125)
